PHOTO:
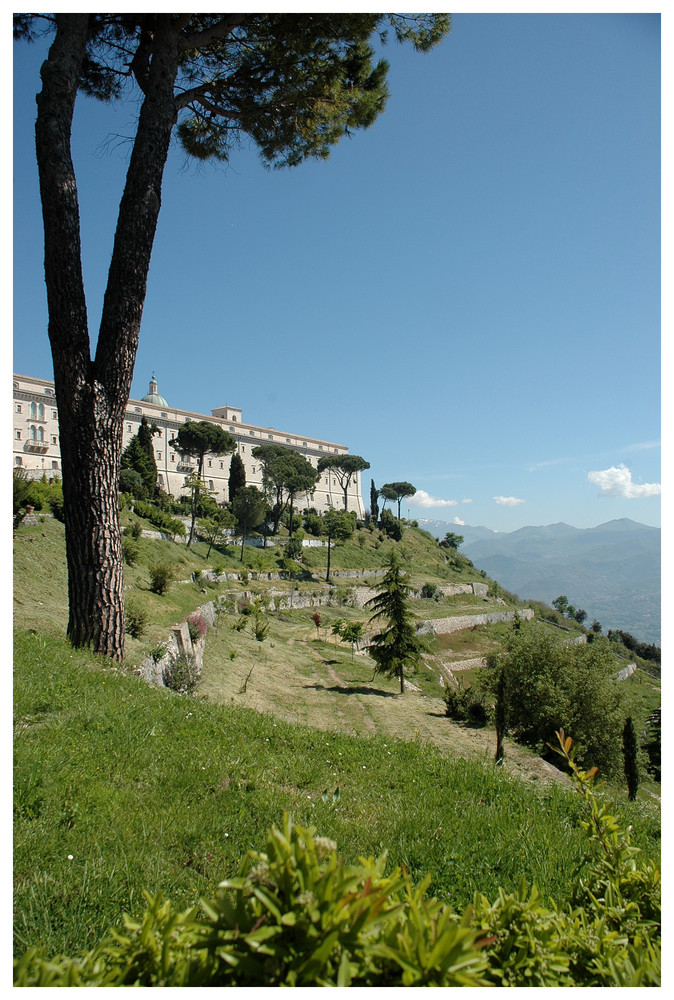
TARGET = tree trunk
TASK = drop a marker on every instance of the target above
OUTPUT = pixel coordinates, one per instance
(402, 680)
(92, 395)
(327, 575)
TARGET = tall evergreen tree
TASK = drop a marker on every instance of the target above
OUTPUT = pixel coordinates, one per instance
(398, 645)
(630, 759)
(374, 502)
(237, 475)
(139, 456)
(293, 84)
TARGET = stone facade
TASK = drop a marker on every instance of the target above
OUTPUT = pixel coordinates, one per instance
(36, 444)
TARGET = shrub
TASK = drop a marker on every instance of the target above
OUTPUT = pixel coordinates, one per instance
(297, 915)
(196, 626)
(136, 619)
(160, 578)
(130, 551)
(429, 590)
(181, 675)
(135, 529)
(464, 704)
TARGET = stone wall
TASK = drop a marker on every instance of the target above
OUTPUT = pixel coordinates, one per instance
(443, 626)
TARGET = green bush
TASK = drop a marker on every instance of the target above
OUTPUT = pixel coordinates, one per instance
(464, 704)
(136, 619)
(160, 578)
(161, 520)
(130, 551)
(297, 915)
(429, 590)
(181, 675)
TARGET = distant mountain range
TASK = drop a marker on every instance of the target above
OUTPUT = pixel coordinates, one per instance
(611, 571)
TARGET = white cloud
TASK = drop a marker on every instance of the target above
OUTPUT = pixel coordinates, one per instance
(467, 500)
(423, 499)
(457, 520)
(508, 501)
(617, 482)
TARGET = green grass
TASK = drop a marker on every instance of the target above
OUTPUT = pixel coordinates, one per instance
(150, 790)
(147, 790)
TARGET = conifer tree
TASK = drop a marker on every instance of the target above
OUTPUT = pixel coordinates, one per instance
(398, 645)
(139, 456)
(630, 759)
(237, 475)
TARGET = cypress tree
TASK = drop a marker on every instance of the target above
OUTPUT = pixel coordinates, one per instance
(237, 475)
(374, 502)
(630, 759)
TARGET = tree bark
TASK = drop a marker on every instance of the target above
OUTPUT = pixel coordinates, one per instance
(92, 395)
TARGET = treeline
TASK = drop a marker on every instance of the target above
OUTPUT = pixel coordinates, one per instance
(647, 651)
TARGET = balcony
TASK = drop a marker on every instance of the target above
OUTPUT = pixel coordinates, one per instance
(35, 445)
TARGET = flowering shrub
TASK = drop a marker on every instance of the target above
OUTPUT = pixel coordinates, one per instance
(197, 626)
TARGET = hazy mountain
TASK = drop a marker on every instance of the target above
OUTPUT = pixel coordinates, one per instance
(611, 571)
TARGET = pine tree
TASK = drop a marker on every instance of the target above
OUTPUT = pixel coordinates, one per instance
(398, 646)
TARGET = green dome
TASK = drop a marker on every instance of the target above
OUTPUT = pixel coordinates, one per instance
(153, 394)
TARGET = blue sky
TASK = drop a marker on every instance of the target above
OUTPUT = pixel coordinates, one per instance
(467, 294)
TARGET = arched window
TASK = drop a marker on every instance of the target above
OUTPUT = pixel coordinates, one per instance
(33, 410)
(40, 434)
(33, 432)
(40, 411)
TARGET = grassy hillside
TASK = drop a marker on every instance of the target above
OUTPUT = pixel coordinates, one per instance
(120, 787)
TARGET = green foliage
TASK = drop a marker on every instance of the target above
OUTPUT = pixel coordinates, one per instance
(161, 576)
(181, 674)
(138, 457)
(398, 646)
(160, 519)
(297, 915)
(548, 683)
(41, 494)
(196, 626)
(374, 502)
(130, 551)
(344, 468)
(237, 475)
(429, 590)
(630, 748)
(136, 618)
(451, 540)
(135, 529)
(390, 526)
(464, 704)
(652, 744)
(397, 491)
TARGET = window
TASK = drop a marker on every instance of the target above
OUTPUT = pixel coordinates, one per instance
(18, 460)
(252, 433)
(54, 414)
(159, 455)
(137, 409)
(33, 432)
(253, 470)
(287, 440)
(270, 436)
(221, 465)
(18, 407)
(233, 419)
(209, 463)
(210, 484)
(160, 480)
(49, 392)
(128, 427)
(40, 411)
(173, 458)
(53, 439)
(231, 428)
(54, 465)
(40, 434)
(320, 447)
(18, 435)
(33, 410)
(164, 415)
